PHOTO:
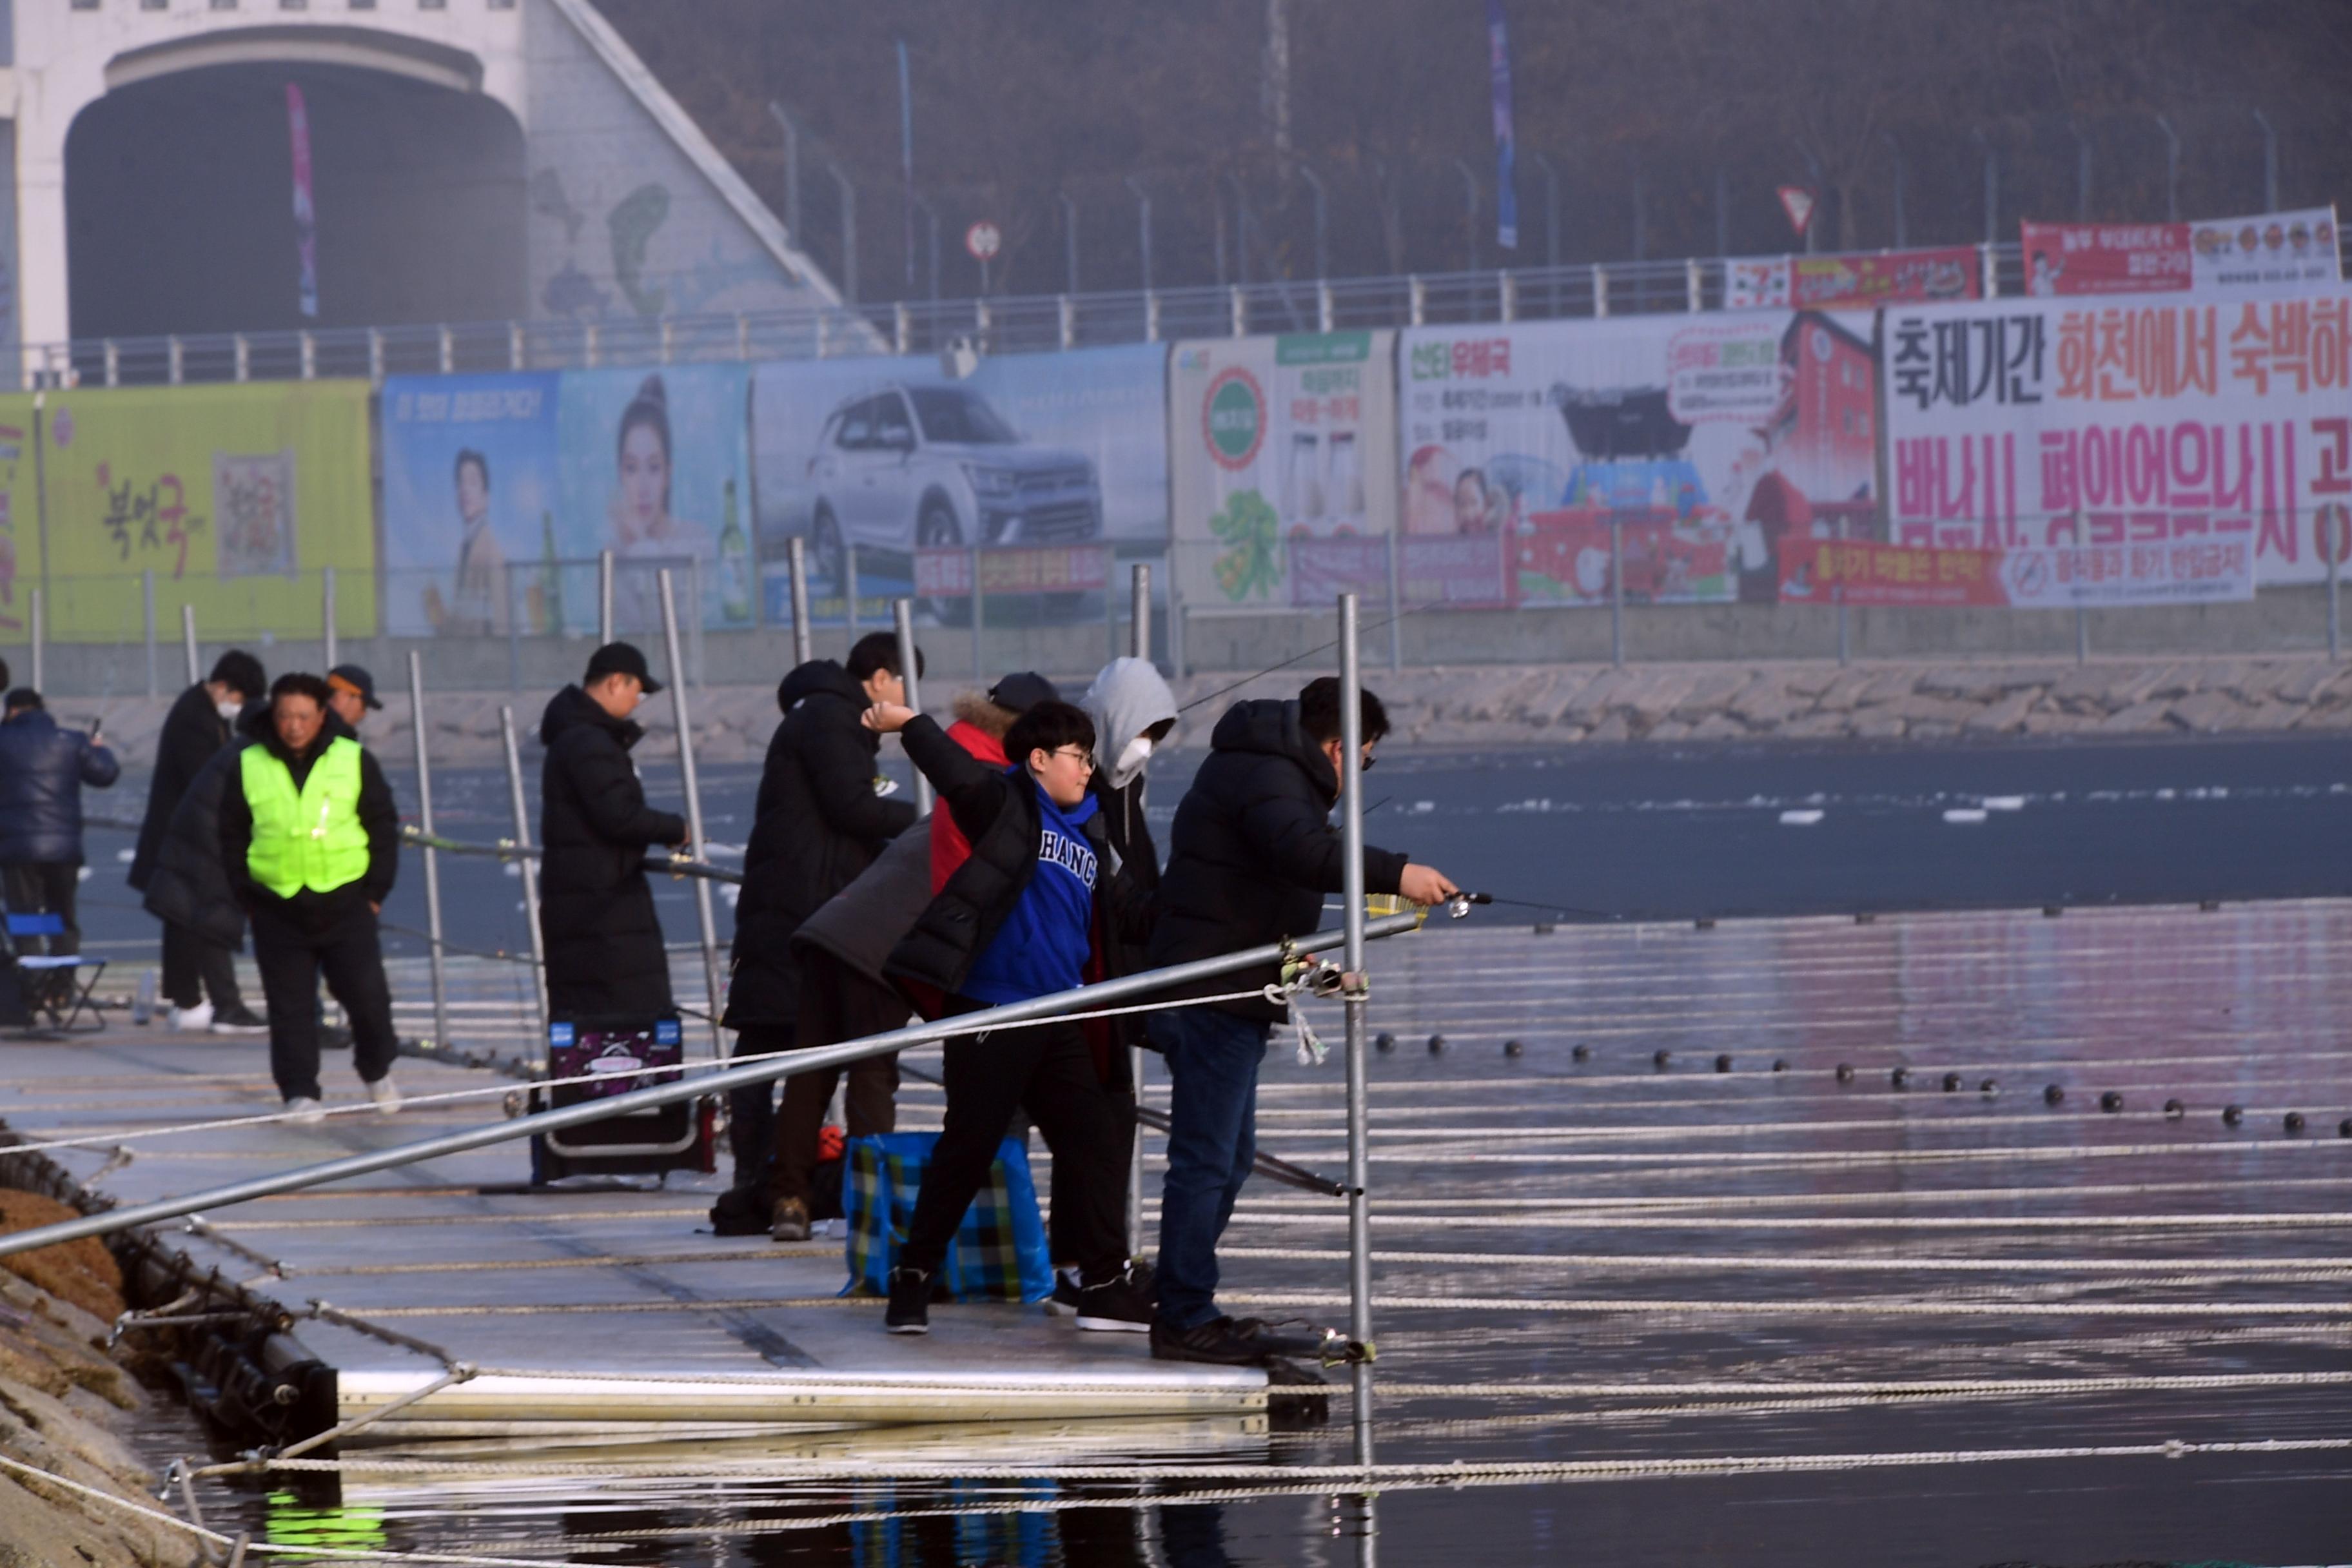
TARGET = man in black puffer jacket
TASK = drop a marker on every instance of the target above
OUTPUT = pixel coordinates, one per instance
(42, 771)
(820, 820)
(196, 966)
(604, 955)
(1251, 859)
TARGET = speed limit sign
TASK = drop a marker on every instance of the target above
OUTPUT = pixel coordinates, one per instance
(984, 240)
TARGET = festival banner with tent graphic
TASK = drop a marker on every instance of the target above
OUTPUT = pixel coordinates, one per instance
(1702, 443)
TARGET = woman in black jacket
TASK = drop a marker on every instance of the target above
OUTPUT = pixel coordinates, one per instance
(820, 819)
(606, 961)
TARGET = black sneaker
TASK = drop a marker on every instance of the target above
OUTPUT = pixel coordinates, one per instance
(238, 1020)
(1219, 1342)
(909, 1311)
(1119, 1305)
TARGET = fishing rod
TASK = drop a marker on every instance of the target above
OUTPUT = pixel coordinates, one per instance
(507, 849)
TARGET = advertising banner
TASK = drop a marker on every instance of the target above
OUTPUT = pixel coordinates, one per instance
(2141, 422)
(469, 487)
(2272, 251)
(1701, 443)
(2024, 577)
(500, 491)
(655, 467)
(1061, 455)
(1277, 442)
(20, 531)
(234, 496)
(1861, 281)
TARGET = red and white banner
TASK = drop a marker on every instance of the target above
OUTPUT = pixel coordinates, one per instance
(2272, 251)
(2046, 422)
(2184, 571)
(1862, 281)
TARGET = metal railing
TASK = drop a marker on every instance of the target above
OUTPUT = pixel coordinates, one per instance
(994, 325)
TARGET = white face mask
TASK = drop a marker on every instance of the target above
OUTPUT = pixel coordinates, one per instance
(1130, 761)
(228, 709)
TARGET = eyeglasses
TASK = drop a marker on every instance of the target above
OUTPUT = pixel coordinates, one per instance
(1078, 755)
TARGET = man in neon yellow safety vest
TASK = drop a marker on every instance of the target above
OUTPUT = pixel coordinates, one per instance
(311, 840)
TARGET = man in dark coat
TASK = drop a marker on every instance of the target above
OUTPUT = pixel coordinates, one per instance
(196, 966)
(1251, 857)
(42, 771)
(309, 839)
(820, 820)
(604, 955)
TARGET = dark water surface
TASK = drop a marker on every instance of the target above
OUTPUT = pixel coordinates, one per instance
(1605, 1258)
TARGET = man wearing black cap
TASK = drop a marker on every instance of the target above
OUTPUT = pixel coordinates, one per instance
(604, 954)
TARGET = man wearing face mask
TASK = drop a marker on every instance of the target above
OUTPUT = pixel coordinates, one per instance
(1133, 712)
(195, 964)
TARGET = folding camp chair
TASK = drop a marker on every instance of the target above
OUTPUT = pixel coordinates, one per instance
(63, 1003)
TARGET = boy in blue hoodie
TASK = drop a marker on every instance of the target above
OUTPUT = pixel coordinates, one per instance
(1017, 921)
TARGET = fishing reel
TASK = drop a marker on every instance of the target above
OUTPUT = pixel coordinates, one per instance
(1458, 906)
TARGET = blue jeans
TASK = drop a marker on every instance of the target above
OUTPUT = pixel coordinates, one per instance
(1213, 1058)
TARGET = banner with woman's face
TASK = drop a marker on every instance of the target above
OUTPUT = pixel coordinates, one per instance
(657, 469)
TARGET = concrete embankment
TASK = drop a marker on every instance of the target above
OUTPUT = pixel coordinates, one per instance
(1501, 705)
(64, 1407)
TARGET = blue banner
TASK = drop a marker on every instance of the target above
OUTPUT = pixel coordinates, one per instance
(1507, 195)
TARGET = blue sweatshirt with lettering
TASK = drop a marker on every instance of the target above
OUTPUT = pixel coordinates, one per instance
(1042, 946)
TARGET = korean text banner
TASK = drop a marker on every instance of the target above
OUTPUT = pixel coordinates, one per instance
(20, 529)
(1862, 281)
(1053, 457)
(2021, 577)
(1277, 445)
(2271, 251)
(2032, 422)
(234, 496)
(1705, 441)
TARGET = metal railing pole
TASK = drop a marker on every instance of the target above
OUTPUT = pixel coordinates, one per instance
(327, 615)
(694, 648)
(704, 917)
(1351, 896)
(803, 635)
(849, 588)
(604, 598)
(147, 597)
(903, 612)
(2327, 527)
(1616, 593)
(530, 870)
(816, 1059)
(2082, 635)
(1396, 601)
(40, 639)
(979, 621)
(1845, 649)
(432, 861)
(1138, 642)
(188, 643)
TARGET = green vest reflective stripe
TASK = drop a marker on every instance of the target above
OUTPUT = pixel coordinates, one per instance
(312, 839)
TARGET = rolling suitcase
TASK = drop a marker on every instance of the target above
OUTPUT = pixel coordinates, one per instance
(610, 1054)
